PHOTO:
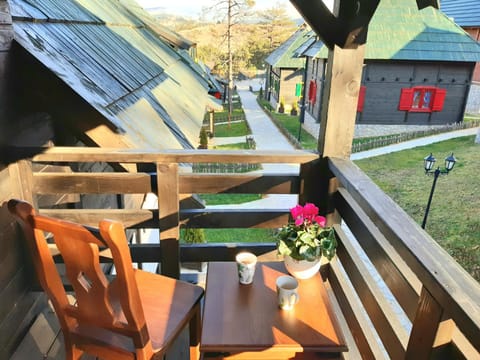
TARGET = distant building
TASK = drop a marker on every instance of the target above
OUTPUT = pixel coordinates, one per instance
(418, 68)
(285, 70)
(467, 15)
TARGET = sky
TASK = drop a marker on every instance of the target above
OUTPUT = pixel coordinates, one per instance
(192, 8)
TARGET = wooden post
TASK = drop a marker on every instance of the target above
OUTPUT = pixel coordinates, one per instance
(169, 218)
(211, 115)
(424, 327)
(337, 124)
(21, 177)
(340, 99)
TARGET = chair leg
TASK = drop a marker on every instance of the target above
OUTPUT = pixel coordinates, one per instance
(195, 327)
(72, 353)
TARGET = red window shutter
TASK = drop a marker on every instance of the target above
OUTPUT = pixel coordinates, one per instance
(406, 97)
(439, 99)
(312, 92)
(361, 98)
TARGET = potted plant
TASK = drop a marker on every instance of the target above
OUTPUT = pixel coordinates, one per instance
(305, 240)
(281, 107)
(203, 139)
(294, 111)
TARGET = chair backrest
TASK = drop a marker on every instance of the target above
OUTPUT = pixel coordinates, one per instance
(110, 305)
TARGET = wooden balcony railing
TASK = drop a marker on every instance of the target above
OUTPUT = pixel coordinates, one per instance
(398, 294)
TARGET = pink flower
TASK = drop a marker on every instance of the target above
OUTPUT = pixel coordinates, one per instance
(307, 215)
(310, 210)
(321, 221)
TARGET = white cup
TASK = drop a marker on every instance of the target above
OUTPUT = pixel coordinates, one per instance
(246, 267)
(287, 292)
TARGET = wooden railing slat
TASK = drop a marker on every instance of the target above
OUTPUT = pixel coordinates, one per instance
(91, 183)
(239, 183)
(141, 183)
(84, 154)
(352, 309)
(195, 218)
(379, 309)
(400, 279)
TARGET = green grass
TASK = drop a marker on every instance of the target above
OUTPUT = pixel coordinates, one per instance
(221, 199)
(235, 146)
(235, 235)
(454, 217)
(292, 124)
(234, 129)
(239, 235)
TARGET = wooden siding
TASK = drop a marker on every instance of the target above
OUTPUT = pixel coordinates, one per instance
(475, 34)
(385, 80)
(289, 79)
(18, 306)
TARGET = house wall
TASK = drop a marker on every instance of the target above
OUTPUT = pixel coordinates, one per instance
(475, 34)
(18, 306)
(384, 81)
(36, 109)
(315, 72)
(289, 78)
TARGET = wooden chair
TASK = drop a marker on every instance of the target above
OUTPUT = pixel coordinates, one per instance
(135, 316)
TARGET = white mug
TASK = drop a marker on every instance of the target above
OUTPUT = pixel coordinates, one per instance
(287, 292)
(246, 267)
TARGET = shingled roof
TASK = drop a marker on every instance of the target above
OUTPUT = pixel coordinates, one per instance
(285, 55)
(465, 13)
(399, 31)
(140, 82)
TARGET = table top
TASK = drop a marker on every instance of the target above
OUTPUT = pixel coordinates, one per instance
(240, 318)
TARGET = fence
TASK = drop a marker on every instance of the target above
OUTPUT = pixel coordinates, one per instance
(398, 138)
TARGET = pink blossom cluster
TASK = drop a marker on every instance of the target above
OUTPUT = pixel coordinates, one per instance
(307, 215)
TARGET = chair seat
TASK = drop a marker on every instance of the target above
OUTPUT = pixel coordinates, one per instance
(166, 301)
(167, 304)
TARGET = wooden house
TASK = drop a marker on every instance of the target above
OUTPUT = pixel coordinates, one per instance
(284, 72)
(418, 68)
(395, 292)
(467, 15)
(85, 73)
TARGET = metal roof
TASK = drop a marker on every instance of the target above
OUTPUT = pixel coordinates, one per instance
(465, 13)
(126, 71)
(399, 31)
(306, 44)
(284, 56)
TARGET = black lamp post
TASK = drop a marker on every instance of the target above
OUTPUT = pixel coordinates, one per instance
(428, 163)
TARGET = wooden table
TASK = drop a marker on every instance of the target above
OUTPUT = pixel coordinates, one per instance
(244, 321)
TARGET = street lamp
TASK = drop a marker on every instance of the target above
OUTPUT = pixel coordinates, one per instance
(428, 164)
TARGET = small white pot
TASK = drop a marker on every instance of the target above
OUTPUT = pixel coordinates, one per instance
(301, 269)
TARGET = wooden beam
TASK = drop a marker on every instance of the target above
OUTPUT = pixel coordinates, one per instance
(195, 218)
(75, 154)
(169, 216)
(339, 107)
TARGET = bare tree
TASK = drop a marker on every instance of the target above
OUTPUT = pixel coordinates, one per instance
(231, 12)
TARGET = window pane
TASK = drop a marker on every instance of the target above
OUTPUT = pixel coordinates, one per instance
(427, 99)
(416, 99)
